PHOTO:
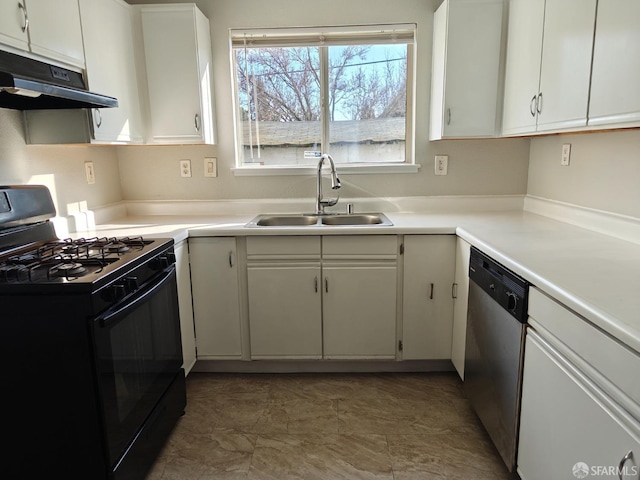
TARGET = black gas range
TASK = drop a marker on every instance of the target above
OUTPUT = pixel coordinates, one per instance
(91, 340)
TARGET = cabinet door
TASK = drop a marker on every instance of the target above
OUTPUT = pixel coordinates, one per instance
(185, 306)
(460, 303)
(285, 317)
(359, 311)
(55, 31)
(615, 96)
(111, 69)
(466, 65)
(178, 62)
(216, 307)
(566, 63)
(12, 22)
(522, 70)
(567, 421)
(427, 305)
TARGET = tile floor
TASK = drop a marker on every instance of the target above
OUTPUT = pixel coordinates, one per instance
(328, 426)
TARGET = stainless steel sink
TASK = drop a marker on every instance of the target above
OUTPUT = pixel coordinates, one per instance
(356, 219)
(326, 220)
(285, 220)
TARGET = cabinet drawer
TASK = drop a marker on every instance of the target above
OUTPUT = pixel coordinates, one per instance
(288, 246)
(358, 246)
(611, 359)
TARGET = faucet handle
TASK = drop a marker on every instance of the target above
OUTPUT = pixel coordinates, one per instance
(330, 202)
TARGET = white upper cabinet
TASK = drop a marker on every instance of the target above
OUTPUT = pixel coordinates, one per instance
(548, 64)
(522, 69)
(615, 95)
(465, 96)
(111, 69)
(566, 64)
(43, 27)
(13, 25)
(177, 48)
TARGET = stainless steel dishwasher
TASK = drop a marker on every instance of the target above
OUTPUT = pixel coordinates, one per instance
(496, 321)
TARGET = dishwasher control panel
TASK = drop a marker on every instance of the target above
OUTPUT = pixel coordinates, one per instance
(508, 289)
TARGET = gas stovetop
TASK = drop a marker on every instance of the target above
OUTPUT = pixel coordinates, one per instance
(87, 261)
(68, 260)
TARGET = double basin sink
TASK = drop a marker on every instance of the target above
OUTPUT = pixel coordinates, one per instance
(324, 220)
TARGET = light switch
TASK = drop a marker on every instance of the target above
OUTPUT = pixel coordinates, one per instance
(210, 167)
(89, 173)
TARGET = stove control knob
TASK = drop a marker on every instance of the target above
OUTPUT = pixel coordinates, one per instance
(116, 292)
(130, 284)
(165, 260)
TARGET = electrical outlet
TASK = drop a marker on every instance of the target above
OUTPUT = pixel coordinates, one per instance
(210, 167)
(566, 154)
(185, 168)
(89, 173)
(441, 165)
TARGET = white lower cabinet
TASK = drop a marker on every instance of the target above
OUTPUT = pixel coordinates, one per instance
(333, 297)
(285, 317)
(427, 302)
(460, 304)
(338, 304)
(359, 311)
(216, 300)
(580, 413)
(185, 306)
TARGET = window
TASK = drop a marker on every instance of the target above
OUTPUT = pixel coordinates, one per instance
(302, 92)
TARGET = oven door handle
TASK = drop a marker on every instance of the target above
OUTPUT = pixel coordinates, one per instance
(113, 317)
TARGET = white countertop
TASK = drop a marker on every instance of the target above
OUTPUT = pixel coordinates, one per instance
(595, 275)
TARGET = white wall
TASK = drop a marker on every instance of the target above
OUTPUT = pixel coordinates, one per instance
(475, 167)
(61, 168)
(604, 172)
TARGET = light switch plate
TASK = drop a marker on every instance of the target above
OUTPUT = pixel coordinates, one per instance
(210, 167)
(90, 173)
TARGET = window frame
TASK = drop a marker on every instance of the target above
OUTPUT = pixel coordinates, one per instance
(325, 37)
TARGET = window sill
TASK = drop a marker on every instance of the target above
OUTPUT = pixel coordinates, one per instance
(383, 168)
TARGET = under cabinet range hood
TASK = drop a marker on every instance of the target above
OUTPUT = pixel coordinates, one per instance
(28, 84)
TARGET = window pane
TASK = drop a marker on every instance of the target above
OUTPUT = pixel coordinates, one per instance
(367, 103)
(278, 105)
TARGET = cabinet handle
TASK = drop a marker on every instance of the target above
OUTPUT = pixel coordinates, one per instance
(628, 456)
(196, 122)
(539, 103)
(532, 106)
(98, 119)
(231, 259)
(448, 116)
(326, 285)
(454, 290)
(25, 26)
(431, 292)
(315, 284)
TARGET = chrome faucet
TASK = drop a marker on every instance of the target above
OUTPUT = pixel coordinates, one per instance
(335, 184)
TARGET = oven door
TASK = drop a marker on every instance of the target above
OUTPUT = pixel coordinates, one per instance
(138, 354)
